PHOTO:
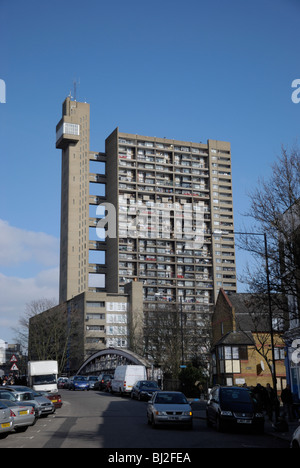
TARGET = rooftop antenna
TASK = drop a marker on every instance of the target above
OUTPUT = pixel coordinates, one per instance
(75, 83)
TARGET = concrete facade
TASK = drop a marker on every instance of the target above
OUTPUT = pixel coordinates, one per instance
(141, 174)
(86, 324)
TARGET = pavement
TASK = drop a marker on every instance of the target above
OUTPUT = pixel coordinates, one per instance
(199, 412)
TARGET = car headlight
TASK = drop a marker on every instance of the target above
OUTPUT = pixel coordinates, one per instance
(226, 413)
(160, 413)
(187, 413)
(259, 415)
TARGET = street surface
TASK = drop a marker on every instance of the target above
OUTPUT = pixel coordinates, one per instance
(100, 420)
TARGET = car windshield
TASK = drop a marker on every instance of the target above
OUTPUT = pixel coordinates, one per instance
(44, 379)
(91, 377)
(80, 378)
(149, 384)
(171, 398)
(7, 396)
(26, 396)
(39, 394)
(229, 395)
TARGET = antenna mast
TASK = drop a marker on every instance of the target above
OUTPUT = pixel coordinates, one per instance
(75, 83)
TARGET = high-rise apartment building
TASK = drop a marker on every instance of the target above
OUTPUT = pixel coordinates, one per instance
(168, 215)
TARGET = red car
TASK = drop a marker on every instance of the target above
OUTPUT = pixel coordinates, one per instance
(54, 397)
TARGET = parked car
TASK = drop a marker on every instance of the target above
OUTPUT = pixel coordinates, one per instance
(62, 382)
(233, 407)
(24, 416)
(46, 405)
(25, 394)
(55, 398)
(93, 381)
(144, 389)
(9, 399)
(79, 382)
(295, 442)
(108, 386)
(6, 394)
(103, 381)
(125, 377)
(69, 382)
(169, 408)
(6, 421)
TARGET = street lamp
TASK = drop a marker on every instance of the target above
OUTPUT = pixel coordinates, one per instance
(269, 295)
(181, 327)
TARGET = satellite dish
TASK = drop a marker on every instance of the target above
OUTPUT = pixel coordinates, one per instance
(262, 365)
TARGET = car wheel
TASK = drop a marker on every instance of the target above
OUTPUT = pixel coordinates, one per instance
(21, 429)
(208, 421)
(295, 445)
(220, 425)
(261, 429)
(153, 422)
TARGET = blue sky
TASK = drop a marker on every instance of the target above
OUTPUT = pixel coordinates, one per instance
(192, 70)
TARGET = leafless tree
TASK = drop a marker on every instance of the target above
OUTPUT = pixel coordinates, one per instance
(174, 337)
(32, 309)
(275, 210)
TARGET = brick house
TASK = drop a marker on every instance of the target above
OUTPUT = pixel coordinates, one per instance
(242, 342)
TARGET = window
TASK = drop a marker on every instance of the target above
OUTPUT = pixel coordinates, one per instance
(279, 354)
(231, 352)
(95, 316)
(71, 129)
(95, 304)
(243, 350)
(95, 327)
(68, 128)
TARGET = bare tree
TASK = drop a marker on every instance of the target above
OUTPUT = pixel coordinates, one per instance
(32, 309)
(173, 337)
(275, 210)
(54, 335)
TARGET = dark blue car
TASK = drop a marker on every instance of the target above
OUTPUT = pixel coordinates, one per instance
(144, 389)
(233, 407)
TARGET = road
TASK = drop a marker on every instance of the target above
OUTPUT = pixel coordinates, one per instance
(99, 420)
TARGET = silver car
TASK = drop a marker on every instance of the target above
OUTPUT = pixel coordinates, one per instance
(92, 380)
(46, 405)
(25, 394)
(24, 416)
(6, 421)
(169, 408)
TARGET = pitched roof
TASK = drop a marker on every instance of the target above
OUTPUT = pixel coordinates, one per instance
(237, 338)
(251, 312)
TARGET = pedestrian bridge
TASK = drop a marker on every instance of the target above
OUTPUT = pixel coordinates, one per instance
(106, 361)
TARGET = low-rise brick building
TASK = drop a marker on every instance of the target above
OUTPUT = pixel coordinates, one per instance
(242, 352)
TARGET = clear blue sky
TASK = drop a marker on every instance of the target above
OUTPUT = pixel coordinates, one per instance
(192, 70)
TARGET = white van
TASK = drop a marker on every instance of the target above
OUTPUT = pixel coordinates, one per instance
(126, 376)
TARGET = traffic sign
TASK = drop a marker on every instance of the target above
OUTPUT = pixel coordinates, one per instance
(14, 367)
(13, 358)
